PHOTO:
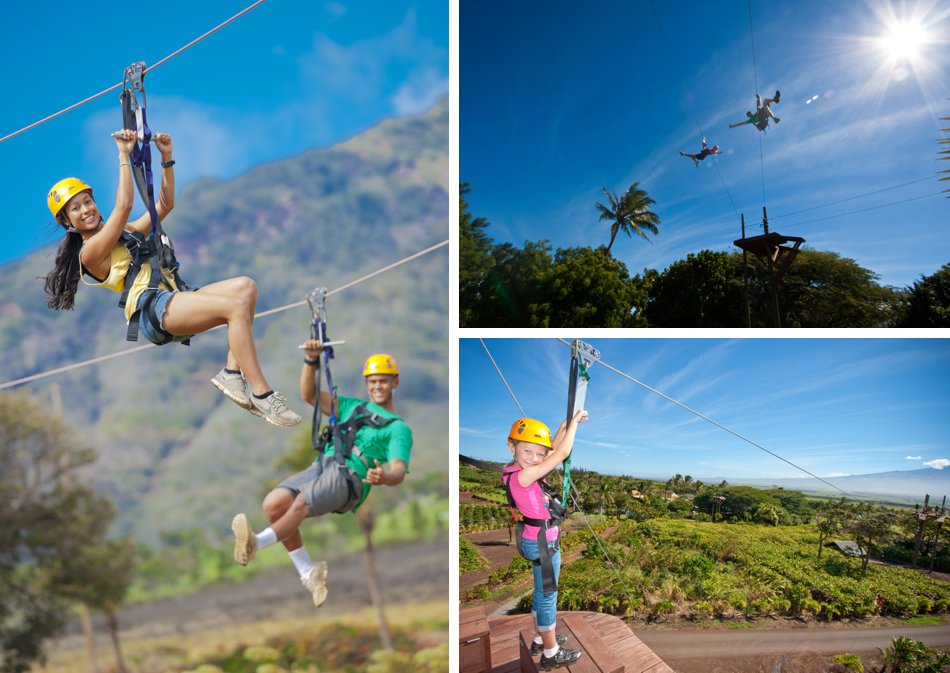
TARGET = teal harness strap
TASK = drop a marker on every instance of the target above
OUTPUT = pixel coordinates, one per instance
(582, 357)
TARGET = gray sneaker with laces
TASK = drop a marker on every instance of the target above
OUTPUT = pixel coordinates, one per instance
(273, 409)
(234, 387)
(316, 582)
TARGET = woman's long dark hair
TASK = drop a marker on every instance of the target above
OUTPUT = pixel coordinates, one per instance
(63, 280)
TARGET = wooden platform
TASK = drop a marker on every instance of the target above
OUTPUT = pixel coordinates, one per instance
(618, 640)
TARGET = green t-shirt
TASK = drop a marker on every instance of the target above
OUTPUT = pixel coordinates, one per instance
(392, 442)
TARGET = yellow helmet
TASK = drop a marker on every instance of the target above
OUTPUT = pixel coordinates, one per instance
(63, 191)
(530, 430)
(380, 364)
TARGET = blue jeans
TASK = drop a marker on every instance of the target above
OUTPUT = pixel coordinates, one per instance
(543, 606)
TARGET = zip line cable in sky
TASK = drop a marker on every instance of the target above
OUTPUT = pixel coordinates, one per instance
(510, 391)
(148, 69)
(755, 78)
(669, 53)
(862, 210)
(716, 423)
(129, 351)
(852, 198)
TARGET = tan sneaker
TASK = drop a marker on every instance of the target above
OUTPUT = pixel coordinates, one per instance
(316, 582)
(273, 409)
(245, 542)
(234, 387)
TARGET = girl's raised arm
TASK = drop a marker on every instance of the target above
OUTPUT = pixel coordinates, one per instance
(97, 248)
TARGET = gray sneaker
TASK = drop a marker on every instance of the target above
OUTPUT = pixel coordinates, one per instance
(273, 409)
(245, 542)
(316, 582)
(234, 387)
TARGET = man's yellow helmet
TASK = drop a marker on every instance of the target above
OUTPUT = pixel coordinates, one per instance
(381, 363)
(530, 430)
(63, 191)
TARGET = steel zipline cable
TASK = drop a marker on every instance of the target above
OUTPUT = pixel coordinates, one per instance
(503, 380)
(669, 53)
(148, 69)
(262, 314)
(714, 422)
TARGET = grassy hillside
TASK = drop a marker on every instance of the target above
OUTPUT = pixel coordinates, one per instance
(174, 453)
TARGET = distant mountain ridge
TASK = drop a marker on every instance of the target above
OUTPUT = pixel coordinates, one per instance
(175, 454)
(900, 484)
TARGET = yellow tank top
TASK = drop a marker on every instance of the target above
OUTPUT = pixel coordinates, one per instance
(120, 261)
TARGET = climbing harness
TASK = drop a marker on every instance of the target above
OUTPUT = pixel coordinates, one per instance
(156, 249)
(582, 357)
(556, 511)
(341, 437)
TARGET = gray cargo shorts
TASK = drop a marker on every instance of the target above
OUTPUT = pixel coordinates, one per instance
(327, 486)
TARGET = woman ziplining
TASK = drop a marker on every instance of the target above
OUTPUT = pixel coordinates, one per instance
(702, 154)
(156, 304)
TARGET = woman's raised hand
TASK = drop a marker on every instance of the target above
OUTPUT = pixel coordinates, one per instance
(125, 141)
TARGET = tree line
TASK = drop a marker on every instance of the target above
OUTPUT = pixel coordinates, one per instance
(536, 285)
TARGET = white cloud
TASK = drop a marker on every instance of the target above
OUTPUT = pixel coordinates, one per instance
(419, 91)
(913, 457)
(938, 464)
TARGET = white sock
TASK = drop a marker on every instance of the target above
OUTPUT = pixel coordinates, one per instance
(538, 640)
(266, 538)
(550, 653)
(302, 561)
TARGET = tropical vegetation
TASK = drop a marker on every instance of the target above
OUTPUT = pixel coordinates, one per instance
(540, 285)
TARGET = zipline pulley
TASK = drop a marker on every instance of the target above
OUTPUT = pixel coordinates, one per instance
(318, 332)
(583, 356)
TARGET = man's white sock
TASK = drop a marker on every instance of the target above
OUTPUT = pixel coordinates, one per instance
(266, 538)
(302, 561)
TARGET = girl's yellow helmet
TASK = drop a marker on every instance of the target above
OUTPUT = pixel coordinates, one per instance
(381, 363)
(63, 191)
(530, 430)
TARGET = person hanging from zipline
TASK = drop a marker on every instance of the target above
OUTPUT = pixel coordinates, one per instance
(374, 448)
(705, 152)
(535, 455)
(103, 249)
(763, 112)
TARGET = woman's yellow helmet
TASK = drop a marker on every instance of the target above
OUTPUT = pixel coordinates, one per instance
(381, 363)
(530, 430)
(63, 191)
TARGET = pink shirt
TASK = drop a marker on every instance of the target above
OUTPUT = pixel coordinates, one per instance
(531, 502)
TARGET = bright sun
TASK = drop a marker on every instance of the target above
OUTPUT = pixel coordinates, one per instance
(904, 41)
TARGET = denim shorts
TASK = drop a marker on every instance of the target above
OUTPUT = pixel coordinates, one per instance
(159, 306)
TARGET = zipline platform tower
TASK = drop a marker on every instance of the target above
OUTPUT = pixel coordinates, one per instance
(774, 248)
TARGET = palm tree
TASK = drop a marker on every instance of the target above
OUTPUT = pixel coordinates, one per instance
(629, 213)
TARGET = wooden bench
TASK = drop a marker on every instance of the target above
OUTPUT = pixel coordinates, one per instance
(474, 641)
(596, 658)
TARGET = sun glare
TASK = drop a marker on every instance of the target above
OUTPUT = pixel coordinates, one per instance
(904, 41)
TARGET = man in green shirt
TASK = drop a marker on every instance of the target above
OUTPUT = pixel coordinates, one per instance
(378, 443)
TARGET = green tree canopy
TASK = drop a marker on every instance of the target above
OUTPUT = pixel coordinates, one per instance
(928, 303)
(46, 518)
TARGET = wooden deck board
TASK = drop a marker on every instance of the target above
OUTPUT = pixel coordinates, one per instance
(616, 636)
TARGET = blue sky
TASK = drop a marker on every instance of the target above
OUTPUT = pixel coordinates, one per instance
(557, 102)
(288, 76)
(831, 406)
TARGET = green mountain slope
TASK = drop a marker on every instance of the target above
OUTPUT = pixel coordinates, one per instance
(172, 451)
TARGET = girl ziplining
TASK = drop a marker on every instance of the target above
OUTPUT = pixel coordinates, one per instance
(102, 249)
(534, 456)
